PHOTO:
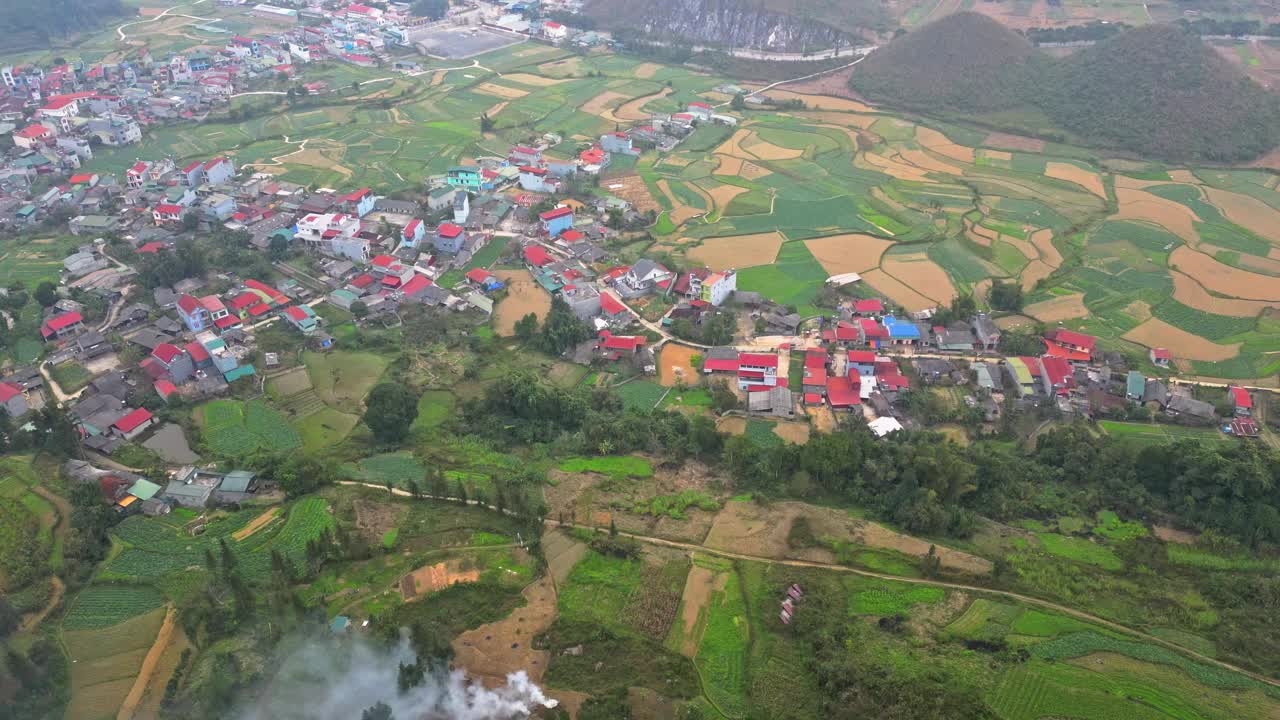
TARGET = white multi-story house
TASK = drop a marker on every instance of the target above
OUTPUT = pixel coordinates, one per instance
(717, 287)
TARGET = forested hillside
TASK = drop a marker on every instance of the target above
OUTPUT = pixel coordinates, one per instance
(29, 24)
(1157, 90)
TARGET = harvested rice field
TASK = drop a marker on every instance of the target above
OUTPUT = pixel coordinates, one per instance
(855, 252)
(924, 275)
(1075, 174)
(1063, 307)
(1247, 212)
(1190, 293)
(738, 251)
(632, 189)
(939, 143)
(1034, 272)
(1143, 206)
(1223, 279)
(821, 102)
(533, 80)
(502, 91)
(893, 289)
(722, 195)
(634, 110)
(1157, 333)
(644, 71)
(601, 103)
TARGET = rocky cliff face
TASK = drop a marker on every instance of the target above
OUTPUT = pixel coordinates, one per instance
(716, 23)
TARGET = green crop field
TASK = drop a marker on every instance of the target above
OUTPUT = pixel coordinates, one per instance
(103, 605)
(888, 598)
(342, 379)
(434, 407)
(640, 394)
(619, 467)
(722, 654)
(1152, 433)
(1080, 550)
(234, 429)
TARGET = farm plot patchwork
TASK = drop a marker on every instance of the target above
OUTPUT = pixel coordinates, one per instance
(233, 429)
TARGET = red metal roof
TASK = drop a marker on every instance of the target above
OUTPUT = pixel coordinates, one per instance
(133, 420)
(1059, 372)
(612, 305)
(164, 388)
(33, 131)
(815, 359)
(624, 342)
(363, 280)
(871, 305)
(812, 399)
(8, 392)
(1161, 354)
(154, 246)
(382, 261)
(843, 392)
(556, 213)
(166, 353)
(244, 300)
(416, 284)
(188, 304)
(227, 321)
(862, 356)
(758, 359)
(535, 255)
(1241, 397)
(571, 236)
(391, 281)
(63, 321)
(259, 310)
(1071, 337)
(478, 275)
(1056, 350)
(168, 209)
(197, 351)
(448, 230)
(720, 365)
(295, 313)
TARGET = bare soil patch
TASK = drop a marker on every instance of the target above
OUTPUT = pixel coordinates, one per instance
(644, 71)
(502, 91)
(256, 524)
(153, 695)
(1014, 142)
(632, 189)
(738, 251)
(1027, 249)
(1184, 176)
(374, 519)
(841, 120)
(1170, 535)
(792, 432)
(893, 288)
(1013, 321)
(854, 252)
(430, 578)
(733, 146)
(1174, 217)
(1158, 333)
(699, 585)
(1192, 294)
(675, 365)
(1062, 307)
(821, 102)
(1034, 272)
(918, 271)
(1043, 240)
(633, 110)
(925, 161)
(1132, 183)
(733, 425)
(729, 165)
(438, 77)
(1072, 173)
(600, 103)
(562, 68)
(491, 651)
(722, 195)
(493, 110)
(524, 296)
(533, 80)
(1222, 278)
(1247, 212)
(823, 419)
(766, 150)
(130, 705)
(1138, 310)
(896, 169)
(942, 145)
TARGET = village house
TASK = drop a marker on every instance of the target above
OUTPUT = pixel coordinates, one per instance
(133, 424)
(303, 318)
(1161, 357)
(556, 221)
(1070, 345)
(450, 238)
(61, 326)
(13, 400)
(1240, 400)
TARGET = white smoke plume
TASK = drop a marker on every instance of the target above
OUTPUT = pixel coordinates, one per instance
(338, 680)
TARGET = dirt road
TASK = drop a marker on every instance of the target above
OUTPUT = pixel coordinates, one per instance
(130, 705)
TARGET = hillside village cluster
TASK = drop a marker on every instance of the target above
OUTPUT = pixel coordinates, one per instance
(385, 254)
(56, 115)
(378, 254)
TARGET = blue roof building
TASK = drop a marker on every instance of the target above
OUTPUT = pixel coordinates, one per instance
(901, 332)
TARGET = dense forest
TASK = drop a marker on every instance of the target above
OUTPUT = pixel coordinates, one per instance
(1158, 90)
(35, 24)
